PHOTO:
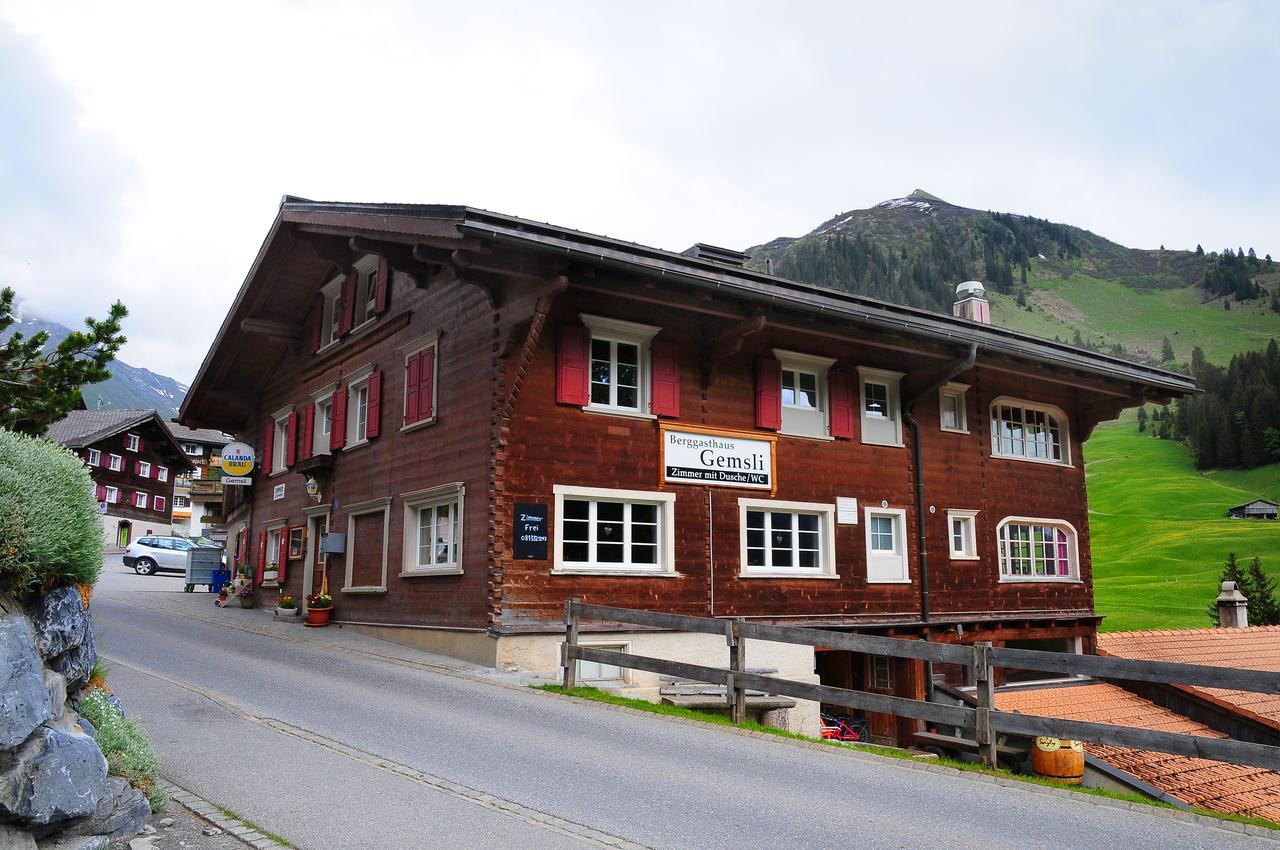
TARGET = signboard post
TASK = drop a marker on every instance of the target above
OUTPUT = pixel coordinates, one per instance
(237, 464)
(718, 458)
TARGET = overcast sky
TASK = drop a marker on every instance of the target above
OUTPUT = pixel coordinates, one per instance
(144, 147)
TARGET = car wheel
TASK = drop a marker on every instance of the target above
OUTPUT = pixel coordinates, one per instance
(144, 567)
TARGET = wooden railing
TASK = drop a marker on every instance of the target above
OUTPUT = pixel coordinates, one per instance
(985, 720)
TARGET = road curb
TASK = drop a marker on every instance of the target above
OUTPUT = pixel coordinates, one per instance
(232, 826)
(912, 764)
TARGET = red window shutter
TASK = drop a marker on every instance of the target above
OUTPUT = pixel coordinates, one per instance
(101, 491)
(427, 384)
(291, 434)
(338, 420)
(262, 554)
(268, 446)
(141, 444)
(768, 393)
(664, 369)
(412, 381)
(573, 368)
(348, 306)
(317, 323)
(155, 472)
(137, 467)
(841, 388)
(282, 556)
(159, 503)
(373, 421)
(308, 432)
(384, 286)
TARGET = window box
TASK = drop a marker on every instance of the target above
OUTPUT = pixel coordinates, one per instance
(614, 532)
(1034, 549)
(887, 546)
(433, 528)
(1024, 430)
(786, 539)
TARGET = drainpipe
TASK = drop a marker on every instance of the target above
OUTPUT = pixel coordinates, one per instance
(908, 414)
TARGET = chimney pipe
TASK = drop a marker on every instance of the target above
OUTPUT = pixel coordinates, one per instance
(1233, 608)
(971, 302)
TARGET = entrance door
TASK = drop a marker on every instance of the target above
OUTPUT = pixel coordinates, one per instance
(315, 564)
(124, 533)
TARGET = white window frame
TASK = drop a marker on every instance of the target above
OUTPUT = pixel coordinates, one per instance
(319, 433)
(331, 293)
(800, 421)
(144, 469)
(181, 502)
(970, 521)
(192, 449)
(115, 463)
(362, 313)
(410, 349)
(140, 500)
(901, 575)
(112, 495)
(871, 425)
(632, 333)
(280, 440)
(162, 473)
(624, 673)
(158, 503)
(359, 380)
(131, 442)
(373, 506)
(94, 457)
(826, 538)
(1073, 554)
(1050, 411)
(666, 540)
(432, 497)
(959, 393)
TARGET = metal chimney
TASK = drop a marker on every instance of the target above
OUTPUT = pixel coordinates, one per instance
(1233, 608)
(971, 302)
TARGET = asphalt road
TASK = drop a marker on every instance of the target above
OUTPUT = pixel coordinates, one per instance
(337, 741)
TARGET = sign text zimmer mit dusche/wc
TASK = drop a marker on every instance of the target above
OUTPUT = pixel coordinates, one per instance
(731, 461)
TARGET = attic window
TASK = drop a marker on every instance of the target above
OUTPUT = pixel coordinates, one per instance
(132, 442)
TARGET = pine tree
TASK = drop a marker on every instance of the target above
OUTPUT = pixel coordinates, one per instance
(1264, 610)
(1199, 250)
(1166, 351)
(1230, 572)
(1142, 418)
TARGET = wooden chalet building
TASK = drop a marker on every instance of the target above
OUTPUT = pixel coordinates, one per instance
(500, 414)
(134, 461)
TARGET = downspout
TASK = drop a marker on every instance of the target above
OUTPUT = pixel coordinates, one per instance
(908, 414)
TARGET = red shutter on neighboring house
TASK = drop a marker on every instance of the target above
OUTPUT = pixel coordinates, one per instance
(283, 555)
(664, 367)
(317, 323)
(338, 419)
(841, 404)
(137, 467)
(768, 393)
(308, 432)
(373, 416)
(141, 444)
(291, 434)
(572, 370)
(348, 316)
(412, 380)
(101, 491)
(427, 383)
(262, 554)
(384, 286)
(268, 446)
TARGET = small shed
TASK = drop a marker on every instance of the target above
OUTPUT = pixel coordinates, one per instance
(1257, 509)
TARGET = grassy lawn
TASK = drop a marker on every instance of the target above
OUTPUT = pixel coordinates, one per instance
(1160, 530)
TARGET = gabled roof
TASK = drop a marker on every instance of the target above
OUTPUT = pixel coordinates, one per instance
(81, 428)
(1221, 787)
(205, 436)
(1254, 502)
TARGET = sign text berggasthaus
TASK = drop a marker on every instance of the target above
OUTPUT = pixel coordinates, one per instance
(720, 459)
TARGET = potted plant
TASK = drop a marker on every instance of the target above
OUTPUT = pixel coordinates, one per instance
(287, 606)
(319, 609)
(245, 595)
(271, 572)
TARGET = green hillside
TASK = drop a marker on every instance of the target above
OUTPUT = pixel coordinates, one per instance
(1159, 529)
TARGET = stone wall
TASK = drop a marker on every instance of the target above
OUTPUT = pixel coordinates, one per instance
(53, 776)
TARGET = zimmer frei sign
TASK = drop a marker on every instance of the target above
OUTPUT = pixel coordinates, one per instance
(723, 459)
(237, 463)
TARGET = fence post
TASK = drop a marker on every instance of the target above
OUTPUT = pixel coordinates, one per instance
(736, 695)
(570, 639)
(984, 676)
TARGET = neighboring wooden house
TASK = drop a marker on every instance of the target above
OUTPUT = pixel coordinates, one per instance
(197, 497)
(1257, 509)
(500, 414)
(134, 461)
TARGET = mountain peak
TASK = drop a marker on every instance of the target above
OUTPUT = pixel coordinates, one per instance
(922, 195)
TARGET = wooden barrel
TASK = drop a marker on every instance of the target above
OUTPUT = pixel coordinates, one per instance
(1058, 759)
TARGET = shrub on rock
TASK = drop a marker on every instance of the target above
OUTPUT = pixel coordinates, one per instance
(129, 753)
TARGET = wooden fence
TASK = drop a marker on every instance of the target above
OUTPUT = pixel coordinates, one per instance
(985, 720)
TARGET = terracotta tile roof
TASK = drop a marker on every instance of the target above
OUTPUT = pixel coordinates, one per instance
(1221, 787)
(1256, 648)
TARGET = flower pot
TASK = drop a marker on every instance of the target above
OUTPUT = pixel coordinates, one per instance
(288, 612)
(317, 617)
(246, 601)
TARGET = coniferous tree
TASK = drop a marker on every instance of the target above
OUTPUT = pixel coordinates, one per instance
(1142, 418)
(1199, 250)
(1231, 571)
(1264, 610)
(1166, 351)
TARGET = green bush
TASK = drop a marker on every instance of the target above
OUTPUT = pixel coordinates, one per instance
(129, 753)
(50, 529)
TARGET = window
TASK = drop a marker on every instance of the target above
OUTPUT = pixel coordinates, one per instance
(597, 671)
(962, 536)
(1037, 550)
(886, 546)
(359, 413)
(192, 449)
(619, 371)
(323, 426)
(115, 463)
(785, 539)
(1025, 431)
(433, 531)
(280, 441)
(881, 414)
(140, 500)
(804, 393)
(951, 407)
(367, 540)
(881, 673)
(131, 442)
(273, 548)
(370, 296)
(331, 295)
(421, 370)
(144, 469)
(612, 531)
(162, 473)
(181, 502)
(95, 457)
(158, 503)
(113, 495)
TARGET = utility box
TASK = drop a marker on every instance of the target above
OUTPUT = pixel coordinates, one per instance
(333, 543)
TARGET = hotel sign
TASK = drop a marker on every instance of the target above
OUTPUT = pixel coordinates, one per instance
(718, 458)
